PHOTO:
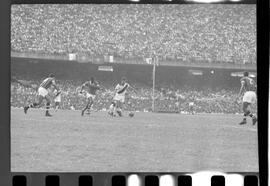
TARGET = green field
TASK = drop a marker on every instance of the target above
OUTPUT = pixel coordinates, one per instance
(148, 142)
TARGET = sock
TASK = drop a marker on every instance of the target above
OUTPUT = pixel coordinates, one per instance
(89, 107)
(47, 107)
(86, 107)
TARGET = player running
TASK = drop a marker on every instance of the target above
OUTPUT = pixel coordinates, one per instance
(43, 94)
(89, 88)
(248, 86)
(119, 98)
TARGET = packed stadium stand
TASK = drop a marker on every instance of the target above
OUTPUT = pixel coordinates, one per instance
(205, 33)
(209, 34)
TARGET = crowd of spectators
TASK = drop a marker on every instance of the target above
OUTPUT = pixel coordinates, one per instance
(206, 100)
(209, 33)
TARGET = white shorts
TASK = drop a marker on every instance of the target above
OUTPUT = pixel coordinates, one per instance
(57, 98)
(88, 95)
(42, 91)
(249, 97)
(119, 97)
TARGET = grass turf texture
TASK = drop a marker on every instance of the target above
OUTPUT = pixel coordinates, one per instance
(148, 142)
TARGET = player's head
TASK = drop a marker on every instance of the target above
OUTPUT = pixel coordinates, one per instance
(92, 79)
(123, 79)
(51, 75)
(246, 74)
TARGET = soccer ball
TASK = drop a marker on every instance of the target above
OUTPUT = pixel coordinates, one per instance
(131, 114)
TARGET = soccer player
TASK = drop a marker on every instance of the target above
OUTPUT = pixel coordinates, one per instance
(248, 86)
(119, 98)
(43, 94)
(90, 88)
(57, 99)
(179, 100)
(191, 104)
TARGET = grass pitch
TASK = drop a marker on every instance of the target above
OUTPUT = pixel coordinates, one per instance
(148, 142)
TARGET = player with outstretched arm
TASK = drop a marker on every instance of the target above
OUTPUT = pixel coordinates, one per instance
(43, 94)
(89, 88)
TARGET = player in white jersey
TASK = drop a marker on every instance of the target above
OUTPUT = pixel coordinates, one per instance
(43, 94)
(179, 100)
(119, 97)
(57, 99)
(191, 104)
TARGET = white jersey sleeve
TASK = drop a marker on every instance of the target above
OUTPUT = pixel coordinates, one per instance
(117, 88)
(121, 89)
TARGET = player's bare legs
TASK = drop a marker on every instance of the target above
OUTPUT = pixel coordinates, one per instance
(86, 107)
(119, 109)
(48, 103)
(247, 112)
(112, 108)
(191, 109)
(90, 105)
(40, 99)
(56, 106)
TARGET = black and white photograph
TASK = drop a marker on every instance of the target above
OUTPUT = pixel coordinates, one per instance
(133, 88)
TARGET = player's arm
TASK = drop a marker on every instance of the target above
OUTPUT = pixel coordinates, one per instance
(24, 83)
(13, 79)
(58, 92)
(18, 81)
(99, 86)
(241, 90)
(56, 87)
(116, 89)
(133, 88)
(82, 87)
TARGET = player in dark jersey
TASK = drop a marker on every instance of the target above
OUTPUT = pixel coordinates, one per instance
(248, 86)
(43, 94)
(90, 89)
